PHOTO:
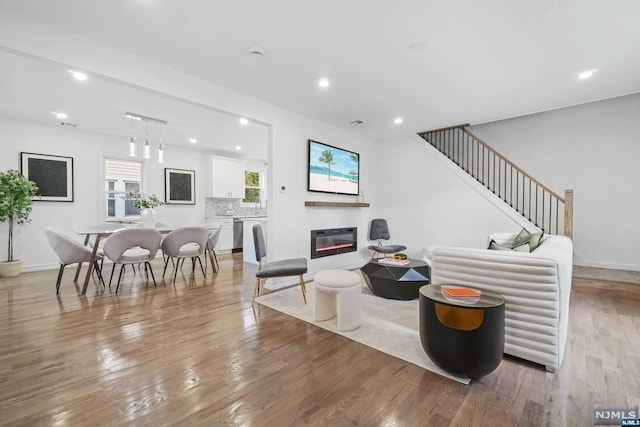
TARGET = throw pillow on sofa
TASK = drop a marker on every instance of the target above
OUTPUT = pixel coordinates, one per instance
(521, 247)
(534, 239)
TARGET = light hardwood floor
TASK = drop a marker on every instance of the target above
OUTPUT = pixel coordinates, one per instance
(198, 353)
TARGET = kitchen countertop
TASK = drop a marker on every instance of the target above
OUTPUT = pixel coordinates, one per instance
(236, 216)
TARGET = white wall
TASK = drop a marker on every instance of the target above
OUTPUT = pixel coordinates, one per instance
(429, 201)
(290, 221)
(593, 149)
(88, 150)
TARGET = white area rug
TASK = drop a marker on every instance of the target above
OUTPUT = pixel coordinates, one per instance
(390, 326)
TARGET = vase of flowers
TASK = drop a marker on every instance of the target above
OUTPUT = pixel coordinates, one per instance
(16, 194)
(147, 205)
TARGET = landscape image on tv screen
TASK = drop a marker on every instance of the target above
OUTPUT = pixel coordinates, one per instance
(333, 170)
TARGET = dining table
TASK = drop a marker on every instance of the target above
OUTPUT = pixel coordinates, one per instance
(99, 231)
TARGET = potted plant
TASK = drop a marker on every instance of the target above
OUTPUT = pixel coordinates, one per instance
(16, 194)
(146, 206)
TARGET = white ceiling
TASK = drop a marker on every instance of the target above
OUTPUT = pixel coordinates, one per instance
(481, 60)
(31, 89)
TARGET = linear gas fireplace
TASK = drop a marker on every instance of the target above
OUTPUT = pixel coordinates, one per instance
(333, 241)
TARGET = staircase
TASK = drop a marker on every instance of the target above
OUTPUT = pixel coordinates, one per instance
(537, 203)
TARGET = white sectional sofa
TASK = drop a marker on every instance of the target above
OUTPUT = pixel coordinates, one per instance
(536, 287)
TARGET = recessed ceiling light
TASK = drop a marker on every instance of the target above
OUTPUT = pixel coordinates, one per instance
(238, 147)
(397, 120)
(586, 74)
(79, 75)
(256, 51)
(60, 115)
(193, 140)
(323, 82)
(244, 121)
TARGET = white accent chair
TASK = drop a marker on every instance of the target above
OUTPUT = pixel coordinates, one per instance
(185, 242)
(132, 246)
(69, 252)
(337, 294)
(536, 287)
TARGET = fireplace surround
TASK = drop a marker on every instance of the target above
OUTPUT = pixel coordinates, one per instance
(333, 241)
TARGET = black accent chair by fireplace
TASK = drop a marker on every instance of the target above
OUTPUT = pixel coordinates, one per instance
(283, 268)
(379, 230)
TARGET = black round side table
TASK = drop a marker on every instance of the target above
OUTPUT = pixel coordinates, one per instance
(462, 335)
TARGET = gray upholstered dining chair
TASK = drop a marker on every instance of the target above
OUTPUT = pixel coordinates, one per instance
(132, 246)
(185, 242)
(379, 230)
(212, 241)
(69, 252)
(283, 268)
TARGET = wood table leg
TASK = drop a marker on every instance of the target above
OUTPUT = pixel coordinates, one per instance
(91, 262)
(75, 278)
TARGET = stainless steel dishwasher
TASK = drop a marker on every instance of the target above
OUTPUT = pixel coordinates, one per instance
(237, 235)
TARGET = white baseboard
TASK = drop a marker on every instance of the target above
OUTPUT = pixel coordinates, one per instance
(609, 265)
(40, 267)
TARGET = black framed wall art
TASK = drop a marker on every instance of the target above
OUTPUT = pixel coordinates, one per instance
(179, 187)
(52, 174)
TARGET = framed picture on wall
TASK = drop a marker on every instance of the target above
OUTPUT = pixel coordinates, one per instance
(52, 174)
(179, 186)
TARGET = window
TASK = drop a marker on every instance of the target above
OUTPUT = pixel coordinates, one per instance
(111, 198)
(251, 187)
(121, 177)
(131, 187)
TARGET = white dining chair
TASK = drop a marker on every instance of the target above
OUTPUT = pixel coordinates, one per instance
(185, 242)
(69, 252)
(132, 246)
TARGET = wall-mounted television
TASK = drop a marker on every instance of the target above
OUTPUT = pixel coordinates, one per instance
(333, 170)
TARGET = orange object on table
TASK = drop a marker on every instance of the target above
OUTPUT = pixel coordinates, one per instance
(461, 292)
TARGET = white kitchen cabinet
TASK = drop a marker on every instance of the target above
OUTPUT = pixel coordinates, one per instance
(226, 178)
(225, 240)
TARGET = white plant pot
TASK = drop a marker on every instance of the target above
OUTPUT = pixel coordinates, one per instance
(10, 269)
(148, 218)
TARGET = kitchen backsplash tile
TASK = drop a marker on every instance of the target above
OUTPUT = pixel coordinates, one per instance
(231, 207)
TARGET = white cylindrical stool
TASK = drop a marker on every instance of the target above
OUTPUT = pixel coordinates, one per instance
(337, 293)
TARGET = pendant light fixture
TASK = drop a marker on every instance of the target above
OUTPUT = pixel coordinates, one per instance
(147, 146)
(146, 152)
(132, 141)
(160, 149)
(161, 153)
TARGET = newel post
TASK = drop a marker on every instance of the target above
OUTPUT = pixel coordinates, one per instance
(568, 213)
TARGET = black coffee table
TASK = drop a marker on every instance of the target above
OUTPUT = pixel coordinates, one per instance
(396, 282)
